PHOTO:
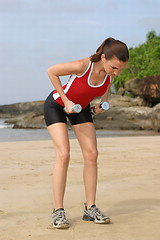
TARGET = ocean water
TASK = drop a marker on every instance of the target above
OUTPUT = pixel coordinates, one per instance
(8, 134)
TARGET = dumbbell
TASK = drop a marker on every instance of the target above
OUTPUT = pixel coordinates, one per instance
(104, 105)
(76, 108)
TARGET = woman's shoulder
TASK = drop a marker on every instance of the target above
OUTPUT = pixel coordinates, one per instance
(75, 67)
(83, 64)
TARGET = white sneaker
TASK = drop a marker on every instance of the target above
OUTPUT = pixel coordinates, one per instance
(59, 219)
(95, 215)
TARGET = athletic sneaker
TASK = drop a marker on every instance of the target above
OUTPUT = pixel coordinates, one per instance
(59, 219)
(95, 215)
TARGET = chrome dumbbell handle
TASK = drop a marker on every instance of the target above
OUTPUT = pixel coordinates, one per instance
(104, 105)
(77, 108)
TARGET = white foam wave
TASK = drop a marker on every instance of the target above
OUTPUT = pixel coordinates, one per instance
(5, 125)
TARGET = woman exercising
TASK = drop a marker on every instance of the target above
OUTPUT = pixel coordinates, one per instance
(89, 78)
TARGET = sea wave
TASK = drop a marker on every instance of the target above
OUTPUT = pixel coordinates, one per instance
(5, 125)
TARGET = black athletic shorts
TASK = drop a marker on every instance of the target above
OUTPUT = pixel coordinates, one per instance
(54, 113)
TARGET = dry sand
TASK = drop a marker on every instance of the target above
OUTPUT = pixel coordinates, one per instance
(128, 190)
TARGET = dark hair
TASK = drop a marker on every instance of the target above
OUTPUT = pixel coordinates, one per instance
(111, 48)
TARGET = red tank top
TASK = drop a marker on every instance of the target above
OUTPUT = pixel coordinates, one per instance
(79, 90)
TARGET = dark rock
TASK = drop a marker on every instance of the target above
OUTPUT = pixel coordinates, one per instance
(135, 118)
(28, 120)
(148, 88)
(21, 108)
(121, 91)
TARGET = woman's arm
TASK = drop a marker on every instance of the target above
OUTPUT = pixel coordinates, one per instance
(63, 69)
(104, 98)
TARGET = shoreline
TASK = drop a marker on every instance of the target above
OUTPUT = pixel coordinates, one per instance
(11, 135)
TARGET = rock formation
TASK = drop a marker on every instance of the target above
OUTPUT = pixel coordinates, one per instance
(147, 88)
(125, 113)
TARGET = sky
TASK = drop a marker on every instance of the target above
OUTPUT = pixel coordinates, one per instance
(36, 34)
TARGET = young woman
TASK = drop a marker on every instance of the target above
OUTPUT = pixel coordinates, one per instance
(89, 78)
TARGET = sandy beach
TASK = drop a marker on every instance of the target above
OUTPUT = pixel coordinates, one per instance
(128, 190)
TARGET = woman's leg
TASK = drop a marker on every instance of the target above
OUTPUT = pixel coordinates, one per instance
(59, 135)
(86, 136)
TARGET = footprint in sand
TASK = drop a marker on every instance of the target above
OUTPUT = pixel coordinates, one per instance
(2, 212)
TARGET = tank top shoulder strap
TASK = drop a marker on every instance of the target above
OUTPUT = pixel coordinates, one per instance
(87, 71)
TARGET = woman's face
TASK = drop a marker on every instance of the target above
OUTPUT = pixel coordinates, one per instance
(114, 66)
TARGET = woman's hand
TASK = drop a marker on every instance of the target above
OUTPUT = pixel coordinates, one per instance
(68, 106)
(98, 109)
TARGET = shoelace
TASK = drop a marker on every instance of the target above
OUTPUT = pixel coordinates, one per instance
(61, 215)
(96, 211)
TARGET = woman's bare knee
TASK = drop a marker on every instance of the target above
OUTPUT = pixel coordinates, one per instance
(63, 157)
(91, 156)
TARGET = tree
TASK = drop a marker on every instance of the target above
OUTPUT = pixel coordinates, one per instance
(151, 35)
(144, 61)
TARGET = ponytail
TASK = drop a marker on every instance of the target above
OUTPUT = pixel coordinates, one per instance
(111, 48)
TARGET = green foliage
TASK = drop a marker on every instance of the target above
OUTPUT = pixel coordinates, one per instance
(144, 61)
(128, 94)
